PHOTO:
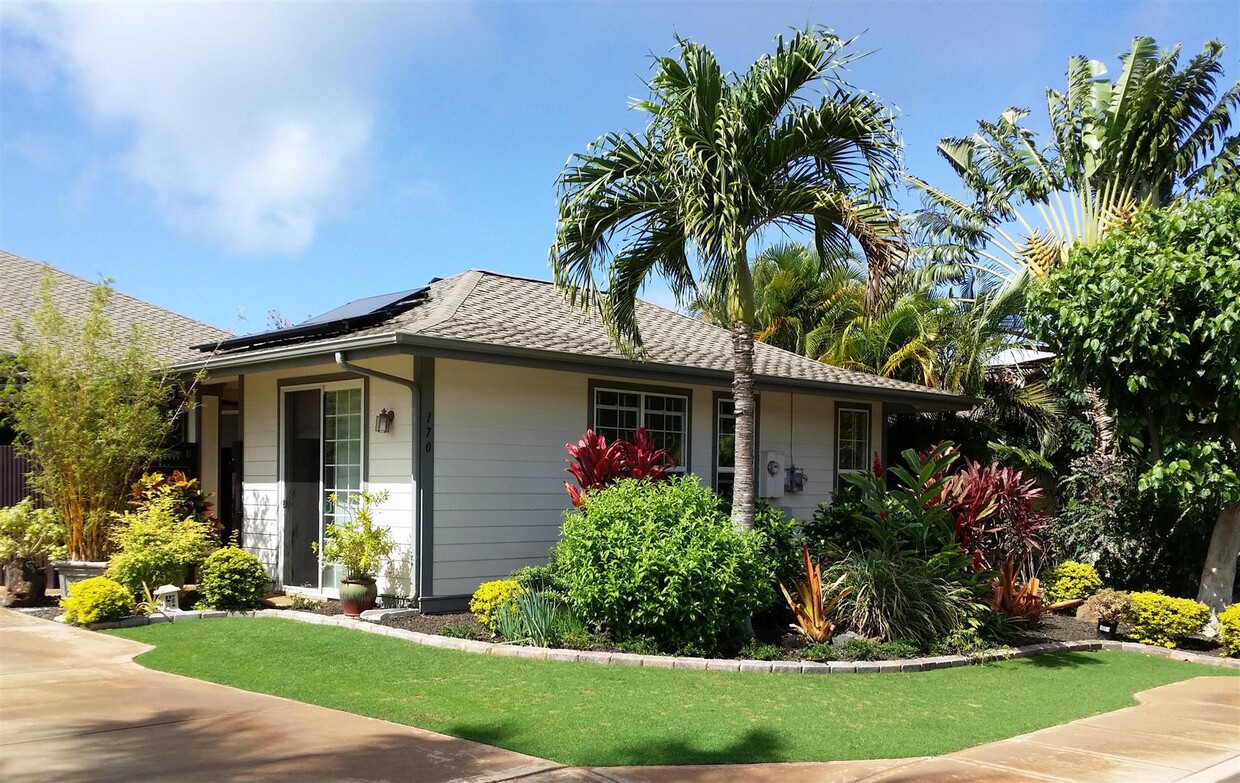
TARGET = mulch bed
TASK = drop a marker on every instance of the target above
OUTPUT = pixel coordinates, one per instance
(437, 623)
(1056, 628)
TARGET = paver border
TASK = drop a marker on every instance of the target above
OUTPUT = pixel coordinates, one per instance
(926, 663)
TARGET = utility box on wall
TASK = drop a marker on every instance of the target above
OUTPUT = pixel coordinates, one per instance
(771, 475)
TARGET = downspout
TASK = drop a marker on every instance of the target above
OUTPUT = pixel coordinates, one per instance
(414, 458)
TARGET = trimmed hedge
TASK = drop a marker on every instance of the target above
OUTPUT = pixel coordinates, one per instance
(1159, 619)
(97, 600)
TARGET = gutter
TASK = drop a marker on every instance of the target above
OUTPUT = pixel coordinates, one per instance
(415, 393)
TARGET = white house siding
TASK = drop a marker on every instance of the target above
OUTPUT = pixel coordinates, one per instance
(388, 461)
(499, 459)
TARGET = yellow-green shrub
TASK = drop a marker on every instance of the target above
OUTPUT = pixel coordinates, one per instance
(1069, 581)
(490, 596)
(1159, 619)
(97, 600)
(1229, 629)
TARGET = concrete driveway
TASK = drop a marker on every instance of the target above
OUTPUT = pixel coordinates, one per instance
(74, 707)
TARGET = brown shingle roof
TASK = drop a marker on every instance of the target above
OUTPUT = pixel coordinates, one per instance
(19, 295)
(486, 309)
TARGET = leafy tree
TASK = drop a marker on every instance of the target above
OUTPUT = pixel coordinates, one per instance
(787, 144)
(1156, 134)
(91, 409)
(1149, 317)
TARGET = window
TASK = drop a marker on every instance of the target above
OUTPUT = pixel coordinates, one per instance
(852, 440)
(619, 412)
(725, 446)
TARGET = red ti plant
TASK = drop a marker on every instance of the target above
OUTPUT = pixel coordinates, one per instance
(814, 603)
(995, 512)
(595, 463)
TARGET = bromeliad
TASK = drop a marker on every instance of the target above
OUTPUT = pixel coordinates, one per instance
(813, 603)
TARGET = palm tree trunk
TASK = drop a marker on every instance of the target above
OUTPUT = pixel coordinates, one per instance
(743, 491)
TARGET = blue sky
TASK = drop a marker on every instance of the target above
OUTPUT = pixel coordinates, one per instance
(222, 159)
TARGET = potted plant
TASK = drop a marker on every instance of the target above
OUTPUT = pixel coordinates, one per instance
(360, 547)
(1111, 607)
(29, 538)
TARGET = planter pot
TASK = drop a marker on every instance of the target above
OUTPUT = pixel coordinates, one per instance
(74, 571)
(357, 595)
(25, 582)
(1107, 629)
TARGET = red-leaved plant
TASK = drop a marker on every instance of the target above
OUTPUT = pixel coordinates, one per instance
(595, 463)
(995, 513)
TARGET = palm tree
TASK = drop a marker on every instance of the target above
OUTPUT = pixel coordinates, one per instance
(1156, 134)
(792, 289)
(786, 145)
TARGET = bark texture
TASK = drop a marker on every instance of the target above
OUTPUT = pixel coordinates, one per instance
(743, 490)
(1218, 578)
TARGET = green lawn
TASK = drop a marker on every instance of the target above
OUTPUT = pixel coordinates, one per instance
(585, 714)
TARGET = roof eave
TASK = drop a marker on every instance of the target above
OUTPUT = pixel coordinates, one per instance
(469, 350)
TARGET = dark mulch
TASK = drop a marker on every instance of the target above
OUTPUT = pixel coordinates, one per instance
(1056, 628)
(437, 623)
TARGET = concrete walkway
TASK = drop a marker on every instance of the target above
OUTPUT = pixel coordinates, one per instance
(74, 707)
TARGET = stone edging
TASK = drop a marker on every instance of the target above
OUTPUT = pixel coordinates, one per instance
(672, 662)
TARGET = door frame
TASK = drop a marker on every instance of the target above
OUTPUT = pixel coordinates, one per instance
(322, 384)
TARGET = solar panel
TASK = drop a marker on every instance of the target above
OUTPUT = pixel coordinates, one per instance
(354, 315)
(359, 307)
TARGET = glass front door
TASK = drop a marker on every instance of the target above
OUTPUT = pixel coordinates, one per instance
(322, 459)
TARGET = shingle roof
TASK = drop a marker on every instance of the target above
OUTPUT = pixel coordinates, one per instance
(484, 309)
(19, 295)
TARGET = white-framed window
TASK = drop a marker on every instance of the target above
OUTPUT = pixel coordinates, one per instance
(725, 446)
(852, 440)
(619, 412)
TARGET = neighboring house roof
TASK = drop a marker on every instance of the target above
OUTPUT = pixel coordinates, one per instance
(1018, 356)
(19, 296)
(520, 318)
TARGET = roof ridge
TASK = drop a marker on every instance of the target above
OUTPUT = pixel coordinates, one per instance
(465, 284)
(115, 291)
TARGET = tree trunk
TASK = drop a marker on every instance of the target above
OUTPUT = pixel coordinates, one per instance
(1218, 578)
(743, 491)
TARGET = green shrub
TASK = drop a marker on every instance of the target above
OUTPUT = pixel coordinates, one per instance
(97, 600)
(29, 533)
(781, 544)
(156, 546)
(1069, 581)
(1229, 629)
(490, 597)
(663, 560)
(459, 630)
(820, 653)
(540, 579)
(871, 650)
(233, 579)
(757, 651)
(1160, 619)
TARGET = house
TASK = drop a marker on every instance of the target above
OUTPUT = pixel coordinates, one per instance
(458, 399)
(19, 296)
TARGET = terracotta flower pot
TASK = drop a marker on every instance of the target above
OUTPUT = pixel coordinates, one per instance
(358, 595)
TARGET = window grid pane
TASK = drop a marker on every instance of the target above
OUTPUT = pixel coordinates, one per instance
(853, 442)
(342, 460)
(618, 414)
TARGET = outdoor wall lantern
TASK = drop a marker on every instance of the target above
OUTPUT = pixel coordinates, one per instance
(383, 422)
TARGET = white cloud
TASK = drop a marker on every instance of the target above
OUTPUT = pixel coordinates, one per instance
(250, 123)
